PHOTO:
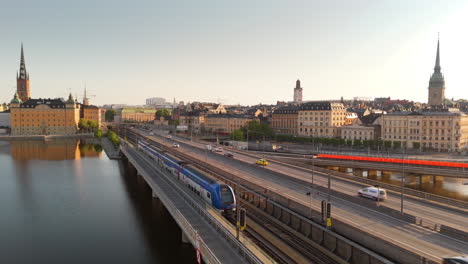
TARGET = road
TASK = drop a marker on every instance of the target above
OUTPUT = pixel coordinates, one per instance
(423, 241)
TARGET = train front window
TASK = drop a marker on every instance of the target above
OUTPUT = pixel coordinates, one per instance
(226, 195)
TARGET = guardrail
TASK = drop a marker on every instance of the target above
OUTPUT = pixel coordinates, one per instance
(248, 256)
(299, 210)
(391, 187)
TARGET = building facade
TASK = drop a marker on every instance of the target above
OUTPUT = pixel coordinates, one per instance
(440, 129)
(22, 80)
(284, 120)
(135, 115)
(91, 112)
(436, 96)
(226, 123)
(44, 116)
(194, 120)
(321, 119)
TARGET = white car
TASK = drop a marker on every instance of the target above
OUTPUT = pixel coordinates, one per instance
(175, 145)
(373, 193)
(151, 134)
(218, 149)
(169, 136)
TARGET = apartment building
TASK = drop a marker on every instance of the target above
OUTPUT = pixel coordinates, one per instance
(321, 119)
(439, 129)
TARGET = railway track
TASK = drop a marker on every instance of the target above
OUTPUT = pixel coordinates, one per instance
(273, 226)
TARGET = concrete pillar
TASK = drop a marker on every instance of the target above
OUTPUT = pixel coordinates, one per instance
(349, 170)
(365, 173)
(378, 173)
(185, 239)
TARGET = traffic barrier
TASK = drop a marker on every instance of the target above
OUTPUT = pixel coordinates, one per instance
(455, 233)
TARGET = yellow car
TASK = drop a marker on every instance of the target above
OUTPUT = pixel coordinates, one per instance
(262, 162)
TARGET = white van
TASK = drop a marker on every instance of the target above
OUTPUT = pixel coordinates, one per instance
(373, 193)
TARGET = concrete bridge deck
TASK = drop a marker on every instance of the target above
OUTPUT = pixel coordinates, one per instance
(216, 244)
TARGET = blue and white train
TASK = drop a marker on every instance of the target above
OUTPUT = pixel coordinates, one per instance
(218, 194)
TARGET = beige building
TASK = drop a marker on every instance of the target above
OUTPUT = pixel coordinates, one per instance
(359, 131)
(44, 116)
(135, 115)
(441, 129)
(226, 123)
(321, 119)
(284, 120)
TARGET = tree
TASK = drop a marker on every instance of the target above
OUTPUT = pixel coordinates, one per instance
(93, 125)
(83, 124)
(237, 135)
(109, 115)
(98, 133)
(113, 137)
(258, 130)
(162, 112)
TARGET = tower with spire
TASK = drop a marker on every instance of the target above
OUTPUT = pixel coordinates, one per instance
(22, 79)
(436, 95)
(298, 92)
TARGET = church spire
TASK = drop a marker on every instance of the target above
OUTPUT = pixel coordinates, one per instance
(23, 75)
(436, 95)
(437, 63)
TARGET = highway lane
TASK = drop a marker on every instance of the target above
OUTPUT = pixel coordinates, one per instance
(434, 213)
(430, 243)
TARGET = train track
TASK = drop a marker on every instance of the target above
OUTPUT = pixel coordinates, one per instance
(302, 246)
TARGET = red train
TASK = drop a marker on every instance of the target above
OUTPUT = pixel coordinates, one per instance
(393, 160)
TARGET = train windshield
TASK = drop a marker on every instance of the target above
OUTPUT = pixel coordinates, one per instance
(226, 195)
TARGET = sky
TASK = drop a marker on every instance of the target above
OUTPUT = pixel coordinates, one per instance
(233, 52)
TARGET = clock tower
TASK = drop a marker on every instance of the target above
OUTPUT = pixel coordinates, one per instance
(436, 84)
(22, 80)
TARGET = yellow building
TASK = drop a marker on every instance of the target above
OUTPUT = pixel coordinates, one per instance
(44, 116)
(135, 115)
(321, 119)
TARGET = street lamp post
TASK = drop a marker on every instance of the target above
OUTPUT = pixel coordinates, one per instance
(402, 185)
(247, 139)
(329, 186)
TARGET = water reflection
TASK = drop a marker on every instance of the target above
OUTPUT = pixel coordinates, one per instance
(58, 207)
(57, 149)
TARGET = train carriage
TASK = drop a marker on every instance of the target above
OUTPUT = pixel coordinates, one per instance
(218, 194)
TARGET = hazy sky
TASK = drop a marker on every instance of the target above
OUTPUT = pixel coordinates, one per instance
(242, 51)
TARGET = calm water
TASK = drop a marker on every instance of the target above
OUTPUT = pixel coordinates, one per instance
(66, 202)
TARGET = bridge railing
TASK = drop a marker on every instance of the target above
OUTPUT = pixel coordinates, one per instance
(240, 248)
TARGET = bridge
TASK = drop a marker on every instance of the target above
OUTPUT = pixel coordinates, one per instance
(382, 233)
(199, 224)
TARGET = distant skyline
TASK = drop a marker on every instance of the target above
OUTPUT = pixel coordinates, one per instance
(245, 52)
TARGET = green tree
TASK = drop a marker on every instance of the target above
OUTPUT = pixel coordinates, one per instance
(109, 115)
(113, 137)
(237, 135)
(83, 124)
(98, 133)
(162, 112)
(93, 125)
(258, 130)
